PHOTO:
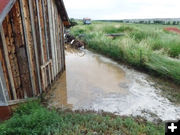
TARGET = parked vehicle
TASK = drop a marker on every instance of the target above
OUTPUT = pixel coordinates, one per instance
(86, 20)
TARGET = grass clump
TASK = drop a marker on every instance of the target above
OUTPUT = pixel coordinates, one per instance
(165, 66)
(140, 35)
(34, 119)
(117, 29)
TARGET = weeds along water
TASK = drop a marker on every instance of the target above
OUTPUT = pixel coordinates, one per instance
(147, 46)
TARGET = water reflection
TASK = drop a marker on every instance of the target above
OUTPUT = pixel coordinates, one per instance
(58, 95)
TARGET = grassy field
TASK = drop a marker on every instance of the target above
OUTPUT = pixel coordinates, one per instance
(144, 46)
(34, 119)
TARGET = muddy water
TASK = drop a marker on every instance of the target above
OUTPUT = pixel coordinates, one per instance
(94, 82)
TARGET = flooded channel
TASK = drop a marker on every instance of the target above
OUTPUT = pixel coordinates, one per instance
(96, 83)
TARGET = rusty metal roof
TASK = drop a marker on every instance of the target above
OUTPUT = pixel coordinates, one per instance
(6, 5)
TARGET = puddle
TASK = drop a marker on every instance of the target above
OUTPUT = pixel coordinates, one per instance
(96, 83)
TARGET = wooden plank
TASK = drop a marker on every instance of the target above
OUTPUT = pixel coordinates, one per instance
(12, 56)
(42, 36)
(39, 38)
(48, 29)
(63, 45)
(3, 90)
(42, 44)
(48, 42)
(9, 36)
(54, 37)
(42, 29)
(10, 73)
(43, 79)
(35, 43)
(29, 43)
(20, 48)
(45, 27)
(59, 34)
(51, 36)
(49, 72)
(36, 24)
(54, 42)
(46, 64)
(59, 43)
(44, 69)
(18, 101)
(4, 67)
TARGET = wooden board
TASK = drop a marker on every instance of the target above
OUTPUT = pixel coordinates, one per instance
(29, 45)
(5, 71)
(11, 50)
(39, 90)
(41, 26)
(20, 48)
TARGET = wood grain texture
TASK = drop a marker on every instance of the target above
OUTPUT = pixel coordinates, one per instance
(11, 50)
(32, 47)
(20, 48)
(4, 67)
(29, 45)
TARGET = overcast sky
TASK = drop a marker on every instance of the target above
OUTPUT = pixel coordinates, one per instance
(123, 9)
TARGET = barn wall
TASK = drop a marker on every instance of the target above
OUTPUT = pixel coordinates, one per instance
(31, 48)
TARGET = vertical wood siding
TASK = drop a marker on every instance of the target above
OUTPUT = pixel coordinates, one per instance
(5, 71)
(31, 48)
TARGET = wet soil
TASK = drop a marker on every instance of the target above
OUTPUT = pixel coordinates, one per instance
(93, 82)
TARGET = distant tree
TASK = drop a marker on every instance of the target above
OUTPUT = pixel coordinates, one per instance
(168, 23)
(164, 22)
(158, 22)
(174, 22)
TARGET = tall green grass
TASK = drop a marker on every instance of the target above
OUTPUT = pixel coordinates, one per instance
(168, 67)
(143, 46)
(117, 29)
(34, 119)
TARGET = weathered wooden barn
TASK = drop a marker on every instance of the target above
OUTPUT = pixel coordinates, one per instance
(31, 49)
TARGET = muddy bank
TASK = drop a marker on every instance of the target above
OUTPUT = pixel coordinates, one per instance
(96, 83)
